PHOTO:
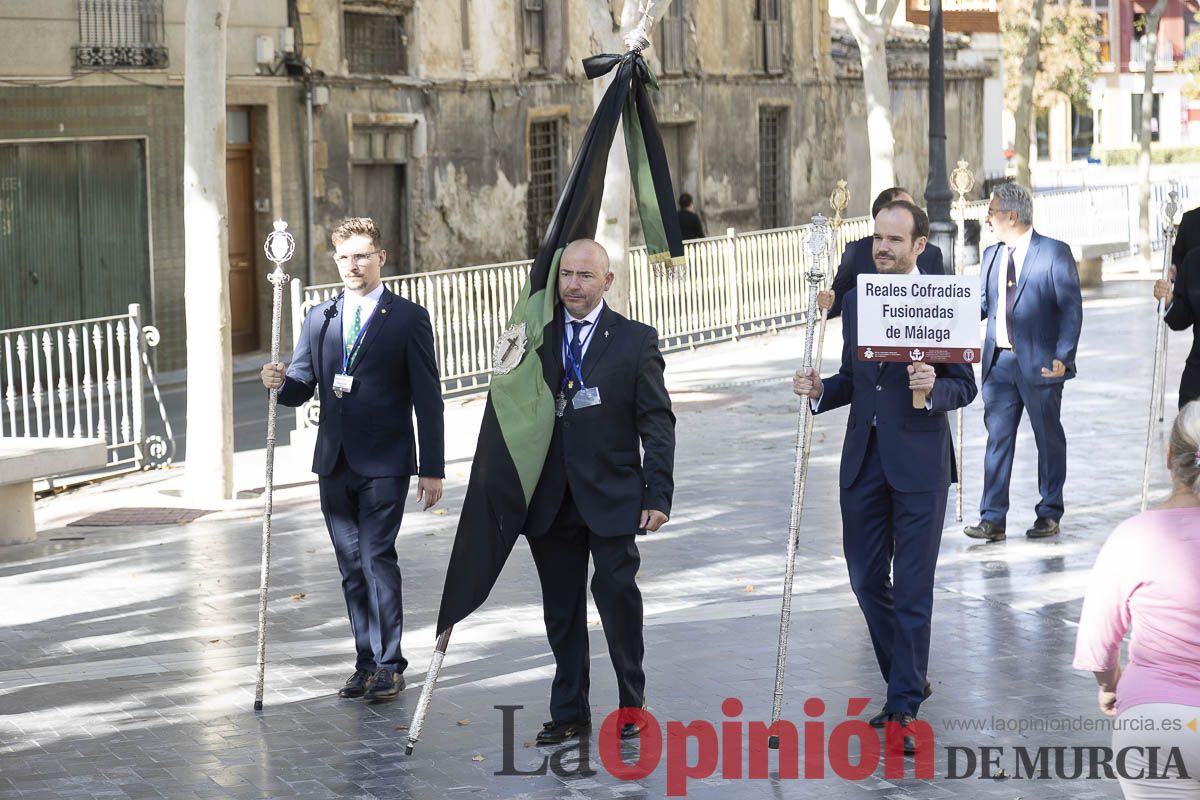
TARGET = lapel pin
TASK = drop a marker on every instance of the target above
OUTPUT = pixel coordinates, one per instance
(383, 311)
(606, 334)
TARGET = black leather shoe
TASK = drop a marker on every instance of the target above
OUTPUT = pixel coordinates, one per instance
(356, 686)
(555, 732)
(908, 741)
(1043, 528)
(986, 530)
(385, 684)
(631, 730)
(879, 719)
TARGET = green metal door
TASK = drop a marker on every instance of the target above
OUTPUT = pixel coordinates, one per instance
(74, 239)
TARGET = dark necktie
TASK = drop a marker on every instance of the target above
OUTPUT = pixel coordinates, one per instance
(1010, 294)
(576, 344)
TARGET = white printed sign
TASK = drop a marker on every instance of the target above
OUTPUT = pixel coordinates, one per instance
(929, 318)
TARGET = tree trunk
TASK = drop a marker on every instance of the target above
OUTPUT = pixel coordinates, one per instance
(1151, 40)
(1023, 114)
(873, 55)
(209, 463)
(869, 25)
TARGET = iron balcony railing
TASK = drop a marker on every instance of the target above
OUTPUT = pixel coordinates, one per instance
(121, 33)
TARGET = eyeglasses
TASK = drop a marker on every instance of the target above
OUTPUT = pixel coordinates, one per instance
(357, 258)
(991, 212)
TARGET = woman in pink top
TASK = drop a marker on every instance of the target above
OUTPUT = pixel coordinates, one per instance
(1148, 576)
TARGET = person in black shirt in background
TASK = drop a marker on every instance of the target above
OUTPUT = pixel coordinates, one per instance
(690, 224)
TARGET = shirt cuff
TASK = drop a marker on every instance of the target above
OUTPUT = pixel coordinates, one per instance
(816, 404)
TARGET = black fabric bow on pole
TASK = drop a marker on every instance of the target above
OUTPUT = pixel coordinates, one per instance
(518, 419)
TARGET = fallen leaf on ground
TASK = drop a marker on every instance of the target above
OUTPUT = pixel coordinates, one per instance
(213, 641)
(464, 722)
(300, 596)
(749, 587)
(401, 727)
(441, 512)
(477, 758)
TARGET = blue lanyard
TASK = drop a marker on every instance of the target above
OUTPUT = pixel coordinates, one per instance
(348, 355)
(569, 357)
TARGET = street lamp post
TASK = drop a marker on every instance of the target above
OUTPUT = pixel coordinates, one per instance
(942, 230)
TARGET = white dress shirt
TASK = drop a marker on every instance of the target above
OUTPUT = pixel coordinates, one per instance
(585, 333)
(352, 301)
(1019, 249)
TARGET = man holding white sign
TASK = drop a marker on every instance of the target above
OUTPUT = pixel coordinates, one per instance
(897, 456)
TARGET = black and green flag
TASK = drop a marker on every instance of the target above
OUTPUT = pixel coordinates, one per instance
(519, 417)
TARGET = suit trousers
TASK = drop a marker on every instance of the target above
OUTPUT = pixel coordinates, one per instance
(884, 530)
(363, 517)
(561, 556)
(1006, 393)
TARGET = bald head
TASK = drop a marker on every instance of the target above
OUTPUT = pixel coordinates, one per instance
(583, 276)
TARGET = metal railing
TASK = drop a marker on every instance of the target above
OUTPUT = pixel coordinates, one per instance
(121, 33)
(84, 379)
(733, 285)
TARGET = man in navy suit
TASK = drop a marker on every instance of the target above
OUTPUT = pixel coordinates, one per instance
(857, 259)
(895, 472)
(1034, 311)
(368, 354)
(596, 490)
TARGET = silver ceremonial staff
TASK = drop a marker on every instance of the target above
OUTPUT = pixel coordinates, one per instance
(279, 248)
(962, 180)
(839, 199)
(1158, 388)
(818, 247)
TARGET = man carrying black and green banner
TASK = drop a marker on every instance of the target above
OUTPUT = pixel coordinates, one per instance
(558, 445)
(596, 491)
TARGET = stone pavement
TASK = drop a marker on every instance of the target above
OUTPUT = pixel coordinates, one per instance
(127, 654)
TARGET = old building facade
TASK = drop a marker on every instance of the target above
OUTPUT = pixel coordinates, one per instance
(452, 122)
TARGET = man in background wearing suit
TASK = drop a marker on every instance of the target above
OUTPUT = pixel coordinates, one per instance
(596, 492)
(1183, 312)
(1034, 311)
(895, 472)
(368, 354)
(857, 259)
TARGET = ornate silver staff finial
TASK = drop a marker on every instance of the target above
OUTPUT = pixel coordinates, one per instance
(962, 180)
(638, 39)
(1170, 209)
(279, 247)
(818, 245)
(839, 199)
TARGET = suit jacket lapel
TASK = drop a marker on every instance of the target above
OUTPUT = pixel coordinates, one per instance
(1030, 263)
(382, 312)
(989, 286)
(599, 343)
(552, 352)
